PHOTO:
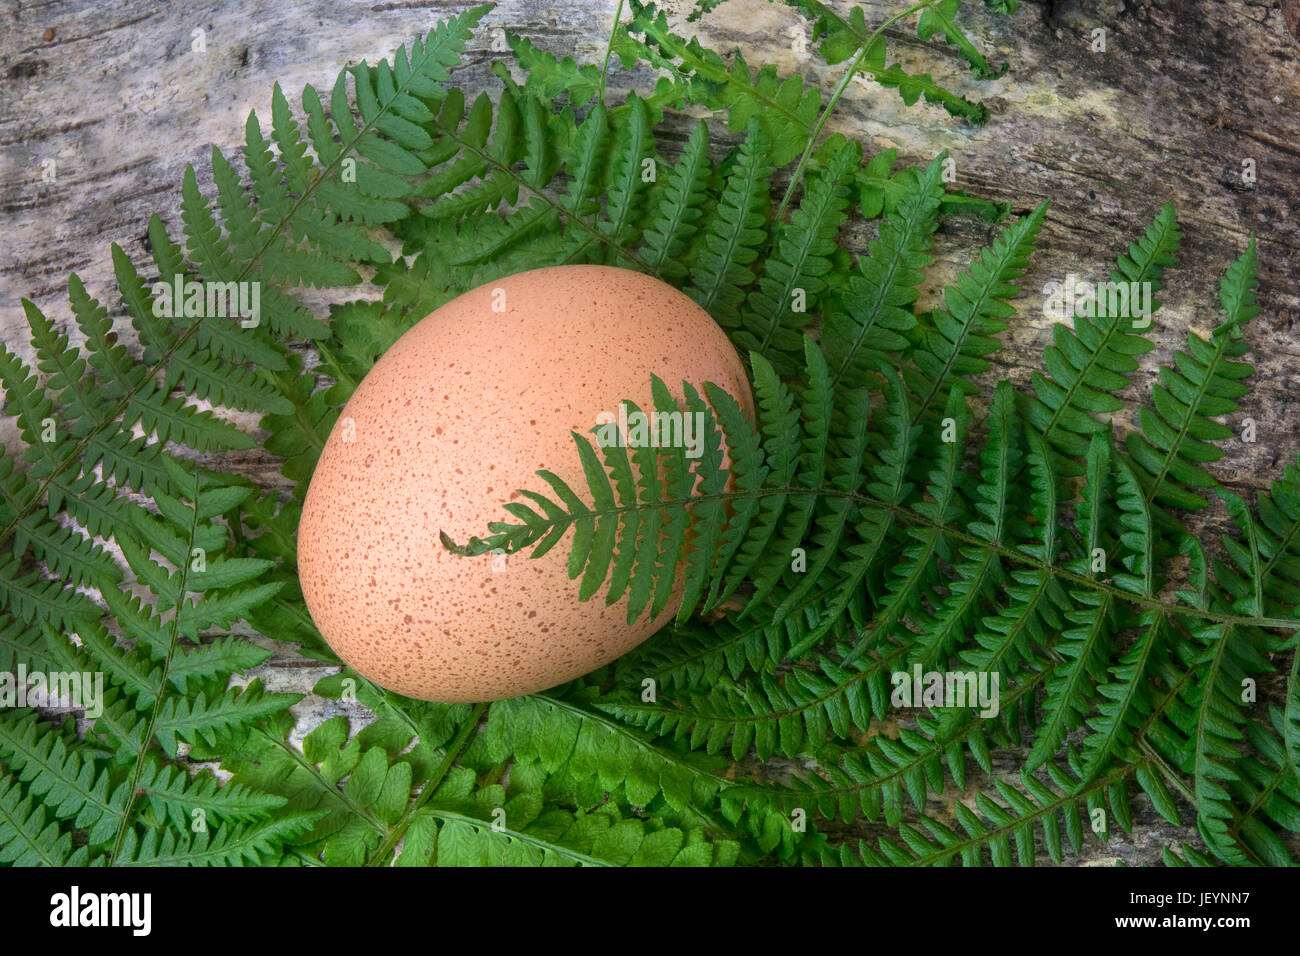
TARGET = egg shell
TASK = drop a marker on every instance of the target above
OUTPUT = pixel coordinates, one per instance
(459, 413)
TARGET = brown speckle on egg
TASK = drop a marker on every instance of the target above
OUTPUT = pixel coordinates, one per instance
(570, 343)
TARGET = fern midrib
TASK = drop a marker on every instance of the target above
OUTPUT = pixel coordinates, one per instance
(671, 665)
(953, 35)
(46, 537)
(698, 160)
(17, 825)
(622, 730)
(555, 205)
(88, 798)
(1132, 693)
(967, 327)
(886, 618)
(906, 515)
(1148, 494)
(809, 236)
(931, 642)
(1062, 800)
(1095, 354)
(452, 753)
(1283, 546)
(700, 65)
(864, 47)
(864, 328)
(149, 379)
(307, 425)
(753, 173)
(163, 672)
(866, 563)
(637, 135)
(24, 650)
(73, 381)
(185, 854)
(1172, 694)
(1291, 715)
(1204, 763)
(876, 665)
(507, 833)
(918, 759)
(1283, 773)
(334, 792)
(1077, 679)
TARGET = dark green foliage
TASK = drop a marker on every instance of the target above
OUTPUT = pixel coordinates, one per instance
(880, 513)
(1078, 620)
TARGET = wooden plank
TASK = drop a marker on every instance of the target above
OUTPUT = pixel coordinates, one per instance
(1185, 94)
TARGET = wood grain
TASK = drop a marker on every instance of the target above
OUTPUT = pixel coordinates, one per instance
(1186, 95)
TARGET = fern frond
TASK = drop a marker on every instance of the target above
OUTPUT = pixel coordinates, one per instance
(461, 831)
(785, 111)
(553, 76)
(626, 183)
(27, 836)
(979, 570)
(1086, 646)
(962, 332)
(676, 205)
(736, 230)
(197, 719)
(938, 18)
(237, 844)
(839, 40)
(1000, 832)
(794, 279)
(791, 715)
(1176, 435)
(73, 785)
(1128, 697)
(1088, 364)
(867, 321)
(1224, 659)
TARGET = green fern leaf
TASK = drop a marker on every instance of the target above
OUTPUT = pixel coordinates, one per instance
(721, 270)
(676, 206)
(874, 310)
(1089, 364)
(962, 332)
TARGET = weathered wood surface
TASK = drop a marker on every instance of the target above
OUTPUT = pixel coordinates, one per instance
(1185, 92)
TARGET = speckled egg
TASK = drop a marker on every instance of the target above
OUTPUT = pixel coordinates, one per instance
(457, 415)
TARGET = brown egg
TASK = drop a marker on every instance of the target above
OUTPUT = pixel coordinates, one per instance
(457, 415)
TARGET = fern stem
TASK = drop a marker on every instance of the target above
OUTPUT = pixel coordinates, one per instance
(336, 792)
(609, 48)
(557, 207)
(622, 729)
(938, 745)
(983, 839)
(858, 57)
(130, 392)
(165, 670)
(452, 754)
(902, 513)
(509, 834)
